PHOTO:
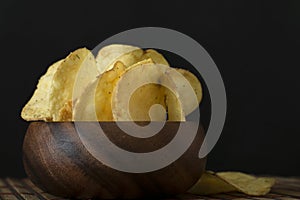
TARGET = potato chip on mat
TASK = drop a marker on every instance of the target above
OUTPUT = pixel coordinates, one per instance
(220, 182)
(247, 184)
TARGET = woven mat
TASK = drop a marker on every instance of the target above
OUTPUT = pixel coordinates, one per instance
(16, 189)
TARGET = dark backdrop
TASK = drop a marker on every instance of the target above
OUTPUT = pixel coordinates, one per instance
(255, 44)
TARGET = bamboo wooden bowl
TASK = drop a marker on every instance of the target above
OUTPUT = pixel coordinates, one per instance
(56, 160)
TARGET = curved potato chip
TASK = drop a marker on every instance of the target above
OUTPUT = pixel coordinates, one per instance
(38, 107)
(144, 97)
(185, 90)
(146, 61)
(141, 81)
(66, 81)
(65, 78)
(193, 80)
(84, 107)
(138, 55)
(248, 184)
(214, 183)
(98, 94)
(95, 102)
(108, 55)
(174, 106)
(209, 184)
(155, 56)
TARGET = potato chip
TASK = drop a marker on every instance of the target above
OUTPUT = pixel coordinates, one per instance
(95, 102)
(214, 183)
(193, 80)
(135, 56)
(66, 85)
(103, 88)
(108, 55)
(248, 184)
(70, 80)
(209, 184)
(155, 56)
(182, 86)
(37, 107)
(174, 106)
(84, 107)
(142, 100)
(142, 94)
(129, 57)
(145, 97)
(143, 62)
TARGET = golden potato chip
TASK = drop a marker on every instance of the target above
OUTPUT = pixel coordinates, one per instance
(95, 102)
(98, 94)
(209, 184)
(146, 61)
(38, 107)
(67, 84)
(142, 100)
(214, 183)
(140, 87)
(144, 97)
(84, 107)
(135, 56)
(136, 88)
(180, 84)
(174, 106)
(193, 80)
(248, 184)
(70, 80)
(130, 57)
(155, 56)
(108, 55)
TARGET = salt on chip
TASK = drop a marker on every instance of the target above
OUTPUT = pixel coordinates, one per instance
(108, 55)
(38, 107)
(67, 84)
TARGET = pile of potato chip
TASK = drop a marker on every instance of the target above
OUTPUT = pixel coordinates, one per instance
(100, 87)
(96, 79)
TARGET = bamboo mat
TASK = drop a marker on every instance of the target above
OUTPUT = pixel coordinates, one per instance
(23, 189)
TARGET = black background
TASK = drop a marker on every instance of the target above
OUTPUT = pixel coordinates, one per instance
(255, 45)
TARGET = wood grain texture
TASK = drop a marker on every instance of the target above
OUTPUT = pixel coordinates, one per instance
(285, 188)
(57, 162)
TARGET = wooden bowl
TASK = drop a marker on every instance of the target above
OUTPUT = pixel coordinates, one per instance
(56, 160)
